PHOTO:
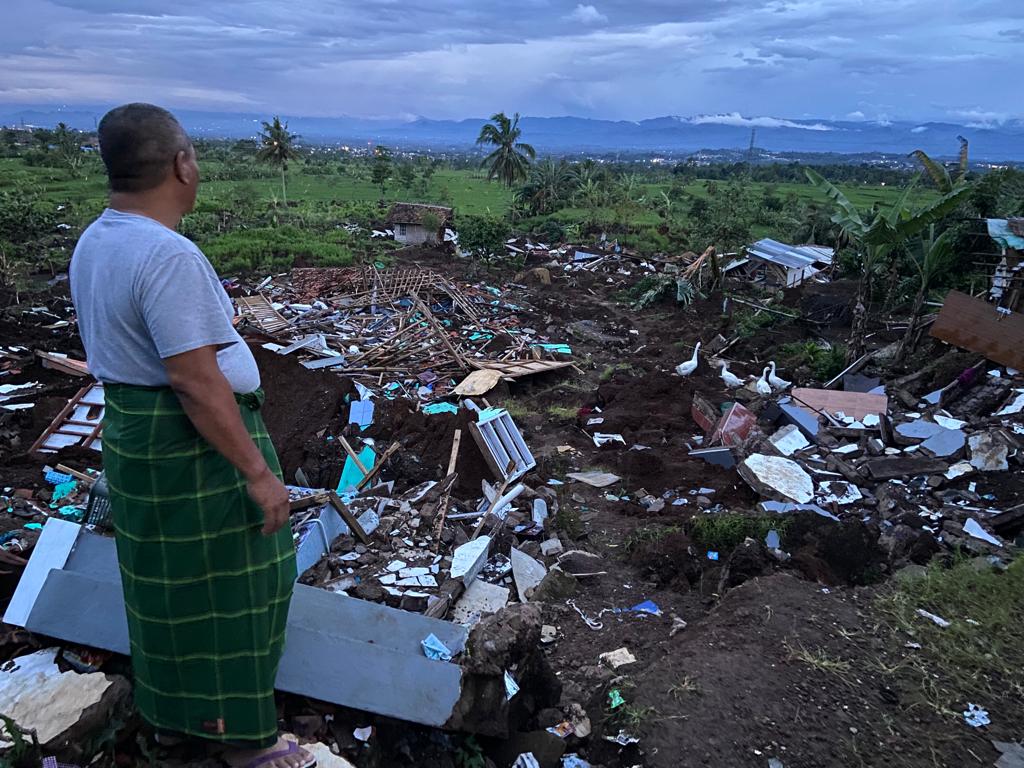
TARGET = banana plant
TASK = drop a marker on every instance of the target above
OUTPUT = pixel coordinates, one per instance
(931, 256)
(878, 233)
(938, 172)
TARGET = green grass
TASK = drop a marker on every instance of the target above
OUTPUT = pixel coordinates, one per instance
(750, 321)
(623, 367)
(723, 532)
(980, 657)
(561, 412)
(819, 660)
(467, 191)
(648, 536)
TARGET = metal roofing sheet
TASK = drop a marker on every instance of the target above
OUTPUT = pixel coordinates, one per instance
(791, 256)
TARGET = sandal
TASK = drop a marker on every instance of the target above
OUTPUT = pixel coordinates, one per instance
(267, 759)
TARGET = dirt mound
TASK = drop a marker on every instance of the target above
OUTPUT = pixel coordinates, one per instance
(300, 405)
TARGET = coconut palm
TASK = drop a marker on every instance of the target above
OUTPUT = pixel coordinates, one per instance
(547, 187)
(276, 149)
(510, 160)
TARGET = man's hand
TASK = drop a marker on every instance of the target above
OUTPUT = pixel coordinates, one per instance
(209, 402)
(271, 495)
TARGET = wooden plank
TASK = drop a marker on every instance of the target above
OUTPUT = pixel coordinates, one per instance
(63, 364)
(891, 467)
(479, 382)
(855, 404)
(976, 325)
(516, 368)
(456, 443)
(348, 517)
(352, 454)
(378, 465)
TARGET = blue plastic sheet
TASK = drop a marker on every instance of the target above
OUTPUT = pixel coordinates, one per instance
(434, 649)
(351, 474)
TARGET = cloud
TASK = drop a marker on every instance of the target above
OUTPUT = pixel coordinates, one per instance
(587, 14)
(1016, 35)
(622, 59)
(980, 118)
(785, 49)
(735, 118)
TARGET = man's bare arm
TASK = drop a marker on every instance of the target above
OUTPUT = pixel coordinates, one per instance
(210, 404)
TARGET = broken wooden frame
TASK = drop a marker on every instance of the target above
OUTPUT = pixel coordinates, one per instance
(259, 311)
(79, 424)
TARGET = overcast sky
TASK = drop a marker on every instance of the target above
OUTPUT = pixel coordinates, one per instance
(619, 59)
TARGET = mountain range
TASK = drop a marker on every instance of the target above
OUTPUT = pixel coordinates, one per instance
(566, 135)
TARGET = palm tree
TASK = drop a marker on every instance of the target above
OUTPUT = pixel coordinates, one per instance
(510, 160)
(276, 149)
(546, 188)
(877, 234)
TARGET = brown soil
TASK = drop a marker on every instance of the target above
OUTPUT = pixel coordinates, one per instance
(764, 667)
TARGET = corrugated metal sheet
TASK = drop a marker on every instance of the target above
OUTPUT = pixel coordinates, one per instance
(790, 256)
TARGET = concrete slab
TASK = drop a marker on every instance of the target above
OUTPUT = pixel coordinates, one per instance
(988, 453)
(338, 649)
(527, 573)
(946, 443)
(918, 430)
(789, 439)
(470, 558)
(776, 476)
(806, 420)
(479, 599)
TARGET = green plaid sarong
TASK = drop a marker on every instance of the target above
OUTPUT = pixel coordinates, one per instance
(206, 593)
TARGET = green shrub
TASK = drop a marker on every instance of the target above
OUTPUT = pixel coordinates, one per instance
(487, 233)
(825, 361)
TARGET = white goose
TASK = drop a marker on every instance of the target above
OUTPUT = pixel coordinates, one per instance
(762, 386)
(685, 369)
(731, 380)
(776, 381)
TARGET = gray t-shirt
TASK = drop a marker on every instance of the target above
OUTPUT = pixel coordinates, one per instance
(142, 293)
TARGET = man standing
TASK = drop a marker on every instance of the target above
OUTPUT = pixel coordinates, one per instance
(199, 510)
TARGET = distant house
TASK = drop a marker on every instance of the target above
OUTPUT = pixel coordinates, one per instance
(785, 265)
(415, 223)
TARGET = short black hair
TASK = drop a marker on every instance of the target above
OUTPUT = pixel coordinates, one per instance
(138, 144)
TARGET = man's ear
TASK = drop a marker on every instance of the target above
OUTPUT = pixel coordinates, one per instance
(183, 169)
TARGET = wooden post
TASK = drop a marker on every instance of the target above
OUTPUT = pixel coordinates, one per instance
(352, 454)
(375, 470)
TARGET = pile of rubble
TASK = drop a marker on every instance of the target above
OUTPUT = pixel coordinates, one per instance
(398, 332)
(914, 467)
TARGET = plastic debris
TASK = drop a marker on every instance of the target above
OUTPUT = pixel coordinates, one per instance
(932, 617)
(712, 555)
(511, 686)
(618, 658)
(434, 649)
(973, 528)
(975, 716)
(615, 699)
(435, 408)
(623, 738)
